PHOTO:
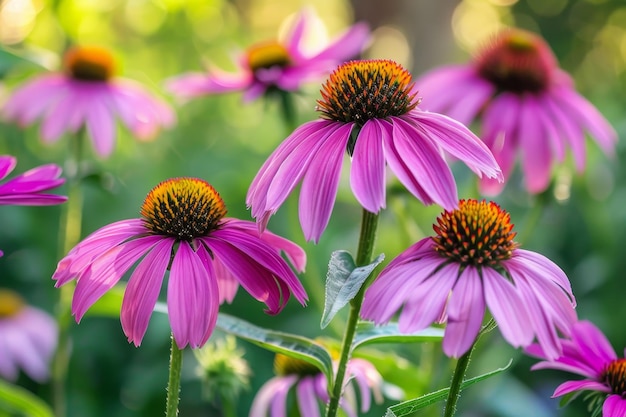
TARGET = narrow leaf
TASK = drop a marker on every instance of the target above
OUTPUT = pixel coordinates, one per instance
(295, 346)
(409, 407)
(14, 399)
(368, 334)
(343, 281)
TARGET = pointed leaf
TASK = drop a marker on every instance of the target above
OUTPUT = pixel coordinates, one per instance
(295, 346)
(409, 407)
(368, 334)
(15, 399)
(343, 281)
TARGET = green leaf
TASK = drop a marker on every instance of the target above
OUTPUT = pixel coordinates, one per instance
(9, 60)
(295, 346)
(368, 334)
(16, 399)
(110, 304)
(343, 281)
(409, 407)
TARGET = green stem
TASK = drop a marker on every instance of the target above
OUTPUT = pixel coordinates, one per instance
(71, 220)
(173, 383)
(459, 371)
(457, 379)
(369, 224)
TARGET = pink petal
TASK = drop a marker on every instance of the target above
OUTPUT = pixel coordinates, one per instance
(536, 155)
(101, 126)
(508, 308)
(321, 183)
(614, 406)
(307, 401)
(105, 271)
(7, 165)
(143, 290)
(571, 386)
(466, 309)
(192, 298)
(367, 175)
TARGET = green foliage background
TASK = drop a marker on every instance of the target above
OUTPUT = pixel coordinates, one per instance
(225, 141)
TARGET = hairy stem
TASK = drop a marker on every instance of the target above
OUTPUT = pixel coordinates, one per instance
(173, 383)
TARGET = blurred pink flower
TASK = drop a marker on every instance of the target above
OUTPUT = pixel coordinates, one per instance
(311, 389)
(525, 103)
(472, 263)
(28, 338)
(283, 65)
(588, 353)
(86, 95)
(182, 230)
(369, 111)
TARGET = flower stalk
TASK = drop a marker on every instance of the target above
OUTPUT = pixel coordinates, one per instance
(367, 237)
(71, 221)
(173, 382)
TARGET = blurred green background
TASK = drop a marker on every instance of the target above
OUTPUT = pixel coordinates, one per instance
(224, 141)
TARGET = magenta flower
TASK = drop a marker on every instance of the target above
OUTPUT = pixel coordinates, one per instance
(312, 391)
(182, 230)
(28, 338)
(526, 105)
(588, 353)
(472, 263)
(369, 111)
(27, 188)
(86, 95)
(283, 65)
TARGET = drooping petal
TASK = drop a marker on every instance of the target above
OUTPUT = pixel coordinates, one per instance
(427, 299)
(508, 308)
(307, 401)
(459, 142)
(192, 299)
(367, 175)
(614, 406)
(345, 47)
(273, 393)
(466, 309)
(534, 144)
(421, 163)
(100, 124)
(294, 253)
(227, 284)
(321, 183)
(301, 142)
(259, 252)
(143, 290)
(105, 271)
(216, 81)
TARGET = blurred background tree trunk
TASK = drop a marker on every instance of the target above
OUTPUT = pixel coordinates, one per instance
(426, 24)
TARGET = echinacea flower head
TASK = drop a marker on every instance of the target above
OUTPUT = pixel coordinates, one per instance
(28, 338)
(369, 111)
(87, 95)
(589, 354)
(472, 263)
(526, 105)
(312, 390)
(283, 65)
(183, 229)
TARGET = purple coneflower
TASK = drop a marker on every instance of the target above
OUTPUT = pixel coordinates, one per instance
(369, 110)
(275, 65)
(87, 95)
(183, 230)
(472, 263)
(28, 338)
(526, 104)
(588, 353)
(311, 388)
